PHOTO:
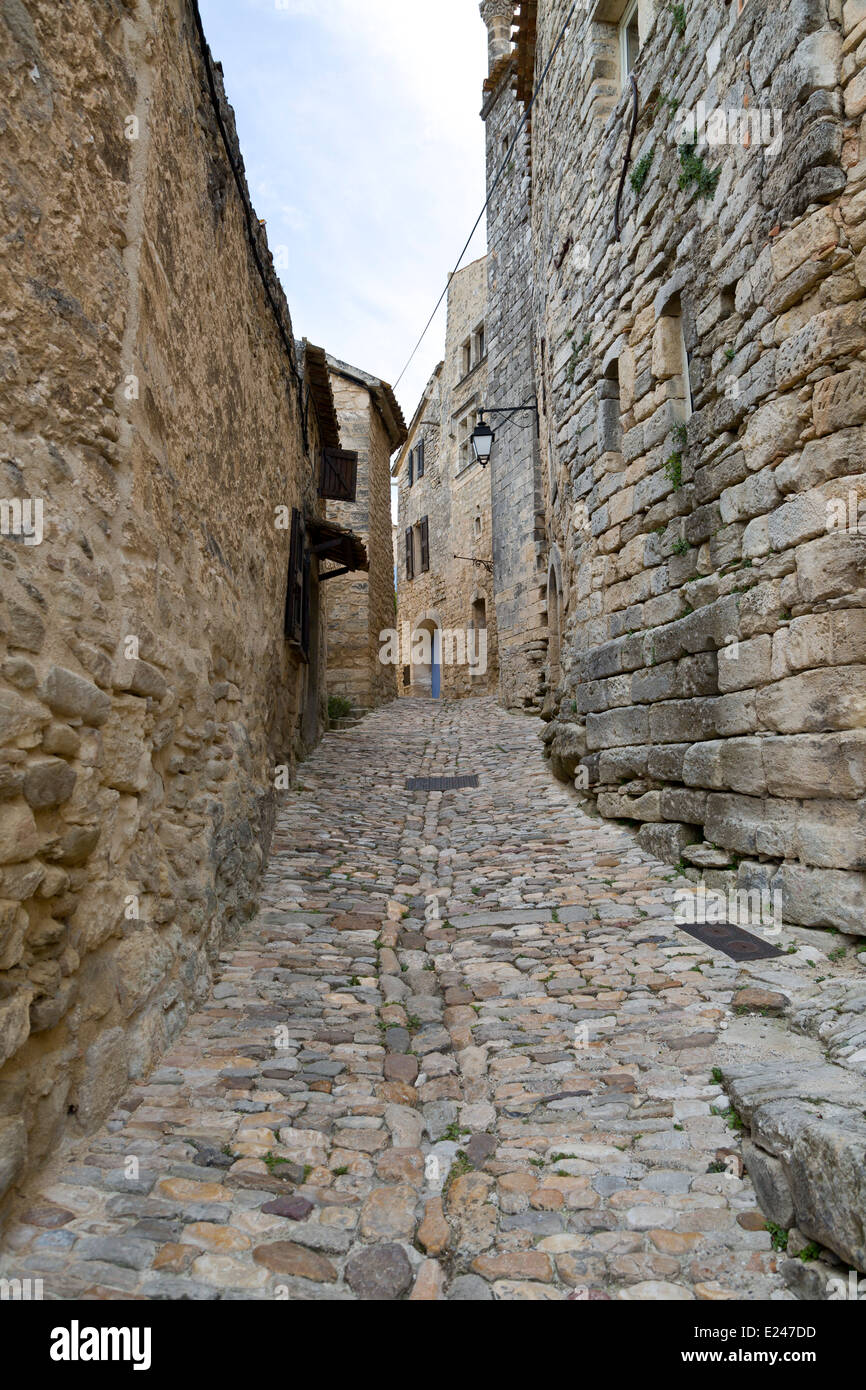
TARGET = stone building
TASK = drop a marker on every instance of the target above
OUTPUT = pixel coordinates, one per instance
(361, 605)
(161, 626)
(445, 609)
(676, 265)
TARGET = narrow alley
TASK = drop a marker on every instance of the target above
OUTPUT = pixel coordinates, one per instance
(512, 1100)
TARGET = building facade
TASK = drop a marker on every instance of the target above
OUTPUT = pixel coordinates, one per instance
(677, 268)
(361, 605)
(162, 632)
(446, 618)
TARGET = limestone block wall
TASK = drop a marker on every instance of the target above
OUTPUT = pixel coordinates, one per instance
(361, 605)
(149, 412)
(704, 438)
(456, 595)
(517, 505)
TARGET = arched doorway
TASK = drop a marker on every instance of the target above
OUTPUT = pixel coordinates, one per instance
(478, 656)
(427, 659)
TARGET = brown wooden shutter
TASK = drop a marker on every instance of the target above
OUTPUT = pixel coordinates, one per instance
(305, 603)
(419, 460)
(425, 545)
(411, 466)
(338, 479)
(294, 622)
(410, 558)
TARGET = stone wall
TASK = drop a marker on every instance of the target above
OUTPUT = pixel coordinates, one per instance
(713, 569)
(149, 402)
(517, 507)
(456, 595)
(361, 605)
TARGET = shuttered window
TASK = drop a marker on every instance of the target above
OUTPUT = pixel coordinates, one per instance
(338, 479)
(425, 546)
(419, 460)
(410, 556)
(297, 619)
(411, 466)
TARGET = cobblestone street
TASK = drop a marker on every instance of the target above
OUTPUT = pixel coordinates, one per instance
(513, 1100)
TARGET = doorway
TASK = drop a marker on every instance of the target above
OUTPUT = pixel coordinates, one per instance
(427, 659)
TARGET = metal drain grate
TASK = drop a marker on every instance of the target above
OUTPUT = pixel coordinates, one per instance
(440, 784)
(732, 940)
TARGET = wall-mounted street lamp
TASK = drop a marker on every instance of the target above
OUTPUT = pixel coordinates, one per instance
(483, 436)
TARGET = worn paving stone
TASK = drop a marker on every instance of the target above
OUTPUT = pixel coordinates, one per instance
(550, 1124)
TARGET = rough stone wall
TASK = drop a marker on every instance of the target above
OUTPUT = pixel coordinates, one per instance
(146, 690)
(714, 650)
(361, 605)
(517, 505)
(455, 498)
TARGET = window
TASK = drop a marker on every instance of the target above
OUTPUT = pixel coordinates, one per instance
(297, 615)
(419, 460)
(411, 467)
(465, 452)
(609, 411)
(417, 549)
(670, 359)
(629, 40)
(480, 345)
(467, 357)
(478, 528)
(338, 476)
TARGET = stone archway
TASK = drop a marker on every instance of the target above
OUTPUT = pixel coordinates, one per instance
(478, 624)
(427, 657)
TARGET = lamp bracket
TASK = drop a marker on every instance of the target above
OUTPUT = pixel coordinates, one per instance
(507, 411)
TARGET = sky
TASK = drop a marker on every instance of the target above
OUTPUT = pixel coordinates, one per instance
(364, 151)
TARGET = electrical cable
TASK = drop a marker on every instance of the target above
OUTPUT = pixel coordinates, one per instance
(503, 166)
(248, 213)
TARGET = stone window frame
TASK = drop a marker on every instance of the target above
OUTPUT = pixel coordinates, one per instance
(670, 303)
(463, 422)
(617, 16)
(630, 18)
(609, 388)
(473, 351)
(479, 344)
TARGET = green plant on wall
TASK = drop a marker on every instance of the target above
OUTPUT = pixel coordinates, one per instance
(339, 707)
(674, 470)
(639, 173)
(678, 14)
(695, 171)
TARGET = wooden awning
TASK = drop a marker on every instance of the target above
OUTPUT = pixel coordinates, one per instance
(331, 542)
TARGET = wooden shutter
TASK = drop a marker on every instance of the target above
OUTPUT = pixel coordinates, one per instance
(338, 479)
(425, 546)
(294, 622)
(419, 460)
(410, 557)
(305, 603)
(411, 466)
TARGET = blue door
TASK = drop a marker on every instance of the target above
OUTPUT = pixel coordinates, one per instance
(436, 674)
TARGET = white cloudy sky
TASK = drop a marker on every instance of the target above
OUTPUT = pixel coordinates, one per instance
(364, 150)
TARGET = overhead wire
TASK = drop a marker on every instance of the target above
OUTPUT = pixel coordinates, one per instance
(503, 166)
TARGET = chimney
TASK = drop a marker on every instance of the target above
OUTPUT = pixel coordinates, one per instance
(498, 15)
